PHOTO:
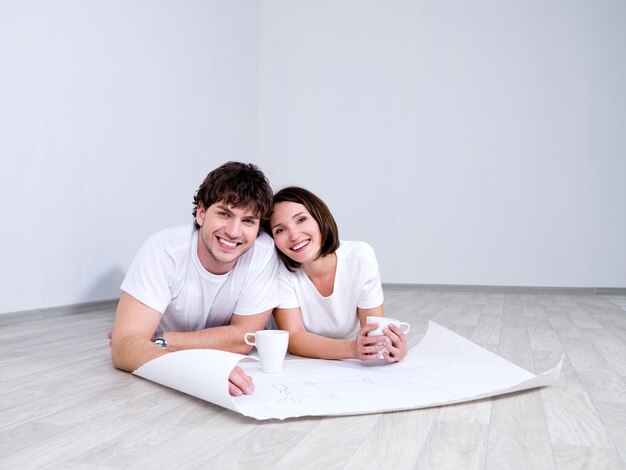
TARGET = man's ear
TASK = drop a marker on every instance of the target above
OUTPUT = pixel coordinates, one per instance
(200, 212)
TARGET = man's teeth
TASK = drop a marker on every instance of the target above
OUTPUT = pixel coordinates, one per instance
(300, 245)
(227, 243)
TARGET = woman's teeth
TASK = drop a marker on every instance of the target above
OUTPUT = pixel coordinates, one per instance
(300, 245)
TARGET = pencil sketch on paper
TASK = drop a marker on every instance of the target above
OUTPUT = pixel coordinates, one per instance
(443, 368)
(286, 396)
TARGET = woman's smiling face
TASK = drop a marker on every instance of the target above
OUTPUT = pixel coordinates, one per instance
(295, 232)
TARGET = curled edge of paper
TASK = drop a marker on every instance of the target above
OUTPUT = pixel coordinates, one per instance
(202, 373)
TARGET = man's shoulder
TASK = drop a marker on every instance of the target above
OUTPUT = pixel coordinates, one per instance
(261, 254)
(173, 236)
(183, 231)
(172, 241)
(263, 248)
(264, 242)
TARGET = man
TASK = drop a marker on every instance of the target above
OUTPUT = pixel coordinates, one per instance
(202, 285)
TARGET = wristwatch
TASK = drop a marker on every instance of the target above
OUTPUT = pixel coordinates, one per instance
(159, 340)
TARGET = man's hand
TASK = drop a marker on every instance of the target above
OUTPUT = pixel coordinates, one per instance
(239, 383)
(367, 348)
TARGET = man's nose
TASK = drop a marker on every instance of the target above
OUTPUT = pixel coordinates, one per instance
(233, 228)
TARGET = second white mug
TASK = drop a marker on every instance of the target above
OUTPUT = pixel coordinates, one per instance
(383, 323)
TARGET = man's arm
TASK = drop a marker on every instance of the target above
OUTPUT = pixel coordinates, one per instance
(225, 338)
(131, 339)
(132, 346)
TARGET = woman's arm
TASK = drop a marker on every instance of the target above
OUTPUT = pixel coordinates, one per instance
(363, 313)
(304, 343)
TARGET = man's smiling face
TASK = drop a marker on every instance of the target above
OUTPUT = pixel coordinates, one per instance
(226, 232)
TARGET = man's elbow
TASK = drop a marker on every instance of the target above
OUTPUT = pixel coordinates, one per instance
(118, 357)
(118, 362)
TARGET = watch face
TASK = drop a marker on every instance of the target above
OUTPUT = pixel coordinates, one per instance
(161, 342)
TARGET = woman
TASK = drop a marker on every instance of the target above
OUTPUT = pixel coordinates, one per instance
(328, 287)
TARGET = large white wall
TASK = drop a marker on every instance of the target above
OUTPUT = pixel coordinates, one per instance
(111, 114)
(473, 142)
(478, 142)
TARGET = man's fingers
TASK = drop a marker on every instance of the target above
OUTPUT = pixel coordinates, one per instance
(234, 391)
(239, 383)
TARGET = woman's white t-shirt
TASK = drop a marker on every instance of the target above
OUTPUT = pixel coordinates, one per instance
(357, 284)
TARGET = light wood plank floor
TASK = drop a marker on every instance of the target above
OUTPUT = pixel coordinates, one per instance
(63, 405)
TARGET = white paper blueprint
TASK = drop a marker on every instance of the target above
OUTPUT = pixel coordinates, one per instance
(443, 368)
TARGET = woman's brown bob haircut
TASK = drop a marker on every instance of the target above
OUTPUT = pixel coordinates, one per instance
(238, 185)
(319, 211)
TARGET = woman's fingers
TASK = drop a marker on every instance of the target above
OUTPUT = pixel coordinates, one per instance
(399, 348)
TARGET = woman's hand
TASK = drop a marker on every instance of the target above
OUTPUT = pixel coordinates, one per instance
(399, 348)
(367, 348)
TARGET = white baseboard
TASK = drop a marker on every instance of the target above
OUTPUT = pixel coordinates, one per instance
(49, 312)
(513, 289)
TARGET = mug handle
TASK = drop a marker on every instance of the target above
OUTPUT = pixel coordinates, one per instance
(250, 343)
(408, 327)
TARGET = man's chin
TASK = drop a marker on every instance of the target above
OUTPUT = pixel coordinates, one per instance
(228, 256)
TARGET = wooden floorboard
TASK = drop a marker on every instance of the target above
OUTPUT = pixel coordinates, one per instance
(63, 405)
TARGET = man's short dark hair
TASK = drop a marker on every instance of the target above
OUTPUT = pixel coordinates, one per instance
(235, 184)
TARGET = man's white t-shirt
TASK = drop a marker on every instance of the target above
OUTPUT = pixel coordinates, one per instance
(357, 284)
(167, 276)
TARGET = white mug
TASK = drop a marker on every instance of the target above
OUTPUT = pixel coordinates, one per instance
(272, 347)
(383, 323)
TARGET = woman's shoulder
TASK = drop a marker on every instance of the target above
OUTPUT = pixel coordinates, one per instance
(285, 273)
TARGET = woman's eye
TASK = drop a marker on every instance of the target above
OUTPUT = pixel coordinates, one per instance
(301, 219)
(277, 231)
